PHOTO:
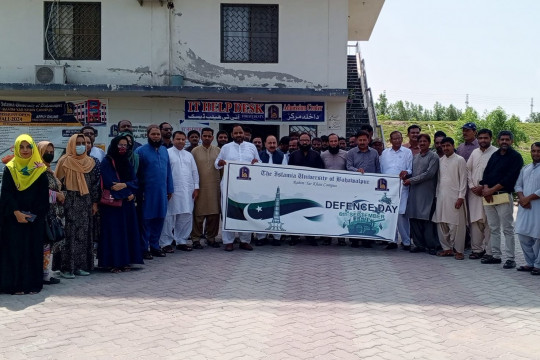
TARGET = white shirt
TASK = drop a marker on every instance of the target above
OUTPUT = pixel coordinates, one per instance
(97, 153)
(392, 163)
(244, 152)
(185, 180)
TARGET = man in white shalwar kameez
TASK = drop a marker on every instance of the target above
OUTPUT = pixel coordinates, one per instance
(241, 151)
(398, 160)
(186, 189)
(480, 234)
(450, 211)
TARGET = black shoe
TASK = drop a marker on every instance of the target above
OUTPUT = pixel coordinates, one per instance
(215, 244)
(355, 244)
(391, 246)
(197, 245)
(417, 249)
(51, 281)
(157, 252)
(488, 259)
(148, 255)
(366, 243)
(432, 251)
(509, 264)
(406, 247)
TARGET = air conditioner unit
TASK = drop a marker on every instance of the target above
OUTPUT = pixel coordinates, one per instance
(50, 74)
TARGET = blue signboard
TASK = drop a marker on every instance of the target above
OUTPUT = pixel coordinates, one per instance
(238, 111)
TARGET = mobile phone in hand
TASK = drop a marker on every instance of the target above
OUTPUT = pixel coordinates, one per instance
(32, 216)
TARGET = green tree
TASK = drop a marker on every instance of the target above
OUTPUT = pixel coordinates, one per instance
(452, 113)
(470, 115)
(381, 105)
(534, 117)
(438, 112)
(498, 120)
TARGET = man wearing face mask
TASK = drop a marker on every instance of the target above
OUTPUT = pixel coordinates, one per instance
(155, 189)
(307, 157)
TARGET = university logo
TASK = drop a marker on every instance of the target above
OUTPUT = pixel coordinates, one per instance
(382, 185)
(243, 173)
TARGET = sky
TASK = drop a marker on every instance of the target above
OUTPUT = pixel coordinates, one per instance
(425, 51)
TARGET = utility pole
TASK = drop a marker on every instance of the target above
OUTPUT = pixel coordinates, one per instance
(532, 105)
(466, 101)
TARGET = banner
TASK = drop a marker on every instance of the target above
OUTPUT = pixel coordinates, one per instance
(303, 201)
(238, 111)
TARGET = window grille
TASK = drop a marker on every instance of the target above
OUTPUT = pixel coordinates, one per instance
(72, 30)
(249, 33)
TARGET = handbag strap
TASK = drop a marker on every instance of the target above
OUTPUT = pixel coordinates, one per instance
(114, 167)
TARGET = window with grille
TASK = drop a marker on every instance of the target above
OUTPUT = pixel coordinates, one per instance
(249, 33)
(72, 30)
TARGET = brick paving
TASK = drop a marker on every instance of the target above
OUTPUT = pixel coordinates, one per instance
(283, 302)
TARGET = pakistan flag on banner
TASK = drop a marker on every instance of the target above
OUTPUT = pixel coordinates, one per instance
(265, 210)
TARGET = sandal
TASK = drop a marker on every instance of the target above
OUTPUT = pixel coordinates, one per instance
(115, 270)
(525, 268)
(459, 256)
(445, 253)
(126, 268)
(184, 247)
(476, 255)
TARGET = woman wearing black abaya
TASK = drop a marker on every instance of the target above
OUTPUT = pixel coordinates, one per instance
(24, 203)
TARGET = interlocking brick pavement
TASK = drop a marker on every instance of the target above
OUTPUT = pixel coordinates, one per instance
(283, 302)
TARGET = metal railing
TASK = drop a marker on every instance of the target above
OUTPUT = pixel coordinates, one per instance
(369, 104)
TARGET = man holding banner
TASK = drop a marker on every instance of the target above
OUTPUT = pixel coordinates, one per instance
(240, 151)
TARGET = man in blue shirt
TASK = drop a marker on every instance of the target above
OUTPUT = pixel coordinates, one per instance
(155, 189)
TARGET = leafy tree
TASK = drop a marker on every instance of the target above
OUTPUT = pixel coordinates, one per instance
(452, 113)
(438, 111)
(534, 117)
(470, 115)
(381, 105)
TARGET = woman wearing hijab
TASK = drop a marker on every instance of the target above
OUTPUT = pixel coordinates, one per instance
(80, 179)
(119, 246)
(133, 158)
(23, 206)
(56, 210)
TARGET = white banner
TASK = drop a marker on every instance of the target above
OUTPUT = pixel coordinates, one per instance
(303, 201)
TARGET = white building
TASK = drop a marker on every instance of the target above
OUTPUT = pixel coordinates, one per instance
(145, 59)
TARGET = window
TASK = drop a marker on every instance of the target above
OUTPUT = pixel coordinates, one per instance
(72, 30)
(249, 33)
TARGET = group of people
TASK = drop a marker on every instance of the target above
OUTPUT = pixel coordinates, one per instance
(137, 202)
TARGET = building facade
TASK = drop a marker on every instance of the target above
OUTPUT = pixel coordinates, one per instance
(276, 65)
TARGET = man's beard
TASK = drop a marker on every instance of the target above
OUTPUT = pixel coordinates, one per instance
(154, 144)
(333, 149)
(305, 147)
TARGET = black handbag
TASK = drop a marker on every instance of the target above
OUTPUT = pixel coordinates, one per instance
(55, 230)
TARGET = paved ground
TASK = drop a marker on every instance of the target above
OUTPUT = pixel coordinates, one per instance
(282, 303)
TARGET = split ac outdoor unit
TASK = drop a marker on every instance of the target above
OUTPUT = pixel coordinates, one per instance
(50, 74)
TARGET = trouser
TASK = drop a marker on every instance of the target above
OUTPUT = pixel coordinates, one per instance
(151, 231)
(498, 216)
(480, 237)
(403, 229)
(531, 250)
(181, 224)
(211, 226)
(228, 237)
(47, 262)
(423, 233)
(452, 236)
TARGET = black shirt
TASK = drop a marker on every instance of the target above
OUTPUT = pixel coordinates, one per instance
(503, 169)
(312, 159)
